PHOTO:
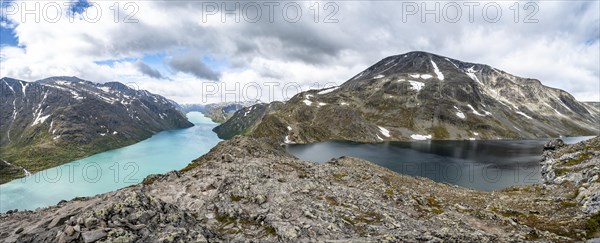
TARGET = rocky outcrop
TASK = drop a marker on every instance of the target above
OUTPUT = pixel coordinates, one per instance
(418, 96)
(56, 120)
(576, 166)
(249, 189)
(554, 144)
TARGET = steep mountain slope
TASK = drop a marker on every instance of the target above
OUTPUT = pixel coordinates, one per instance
(243, 120)
(56, 120)
(420, 95)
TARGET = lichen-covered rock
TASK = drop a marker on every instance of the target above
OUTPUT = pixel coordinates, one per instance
(577, 165)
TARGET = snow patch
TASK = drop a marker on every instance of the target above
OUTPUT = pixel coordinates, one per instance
(343, 103)
(476, 133)
(287, 139)
(24, 87)
(421, 76)
(437, 72)
(379, 76)
(420, 137)
(307, 102)
(115, 133)
(416, 85)
(359, 75)
(384, 132)
(289, 128)
(523, 114)
(452, 63)
(10, 87)
(471, 73)
(328, 90)
(475, 111)
(426, 76)
(459, 113)
(39, 119)
(321, 104)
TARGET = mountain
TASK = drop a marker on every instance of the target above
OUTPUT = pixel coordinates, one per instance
(242, 120)
(59, 119)
(417, 96)
(251, 190)
(218, 112)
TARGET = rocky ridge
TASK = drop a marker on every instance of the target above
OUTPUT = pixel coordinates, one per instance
(248, 189)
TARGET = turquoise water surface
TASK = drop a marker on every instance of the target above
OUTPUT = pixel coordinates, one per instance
(111, 170)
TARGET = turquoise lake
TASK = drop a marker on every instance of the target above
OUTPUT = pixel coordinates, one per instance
(111, 170)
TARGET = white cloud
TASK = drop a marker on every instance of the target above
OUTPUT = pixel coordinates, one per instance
(561, 50)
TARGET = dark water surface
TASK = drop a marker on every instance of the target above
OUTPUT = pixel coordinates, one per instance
(483, 165)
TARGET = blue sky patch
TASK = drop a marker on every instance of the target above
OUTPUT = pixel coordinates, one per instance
(79, 6)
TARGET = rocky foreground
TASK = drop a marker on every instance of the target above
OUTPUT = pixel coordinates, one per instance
(246, 189)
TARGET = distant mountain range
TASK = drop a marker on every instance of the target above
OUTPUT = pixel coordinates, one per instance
(59, 119)
(218, 112)
(418, 96)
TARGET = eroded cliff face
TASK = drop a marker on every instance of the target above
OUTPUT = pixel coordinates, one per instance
(251, 189)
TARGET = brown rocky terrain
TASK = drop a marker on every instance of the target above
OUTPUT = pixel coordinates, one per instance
(248, 189)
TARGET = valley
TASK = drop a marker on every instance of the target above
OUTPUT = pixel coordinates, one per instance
(56, 120)
(251, 187)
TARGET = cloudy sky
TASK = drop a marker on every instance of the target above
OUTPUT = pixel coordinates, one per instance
(200, 51)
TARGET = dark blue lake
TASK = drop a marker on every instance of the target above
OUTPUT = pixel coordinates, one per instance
(485, 165)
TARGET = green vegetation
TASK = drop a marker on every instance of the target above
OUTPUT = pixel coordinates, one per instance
(339, 176)
(189, 167)
(436, 206)
(592, 226)
(44, 153)
(389, 192)
(235, 198)
(561, 171)
(440, 132)
(567, 204)
(582, 157)
(148, 181)
(270, 230)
